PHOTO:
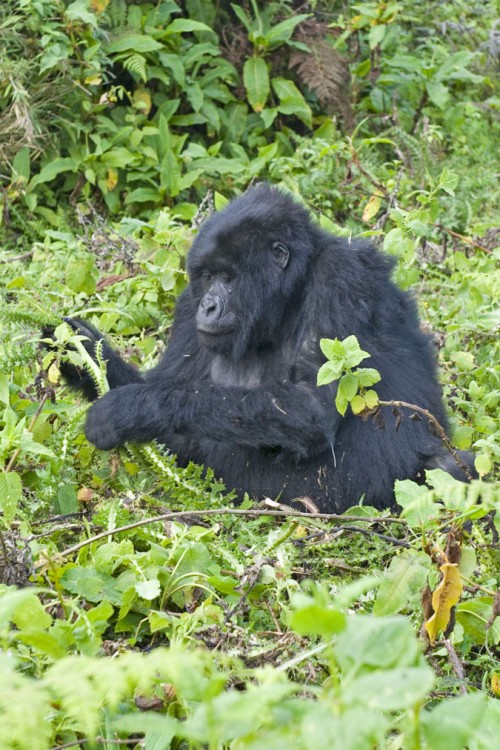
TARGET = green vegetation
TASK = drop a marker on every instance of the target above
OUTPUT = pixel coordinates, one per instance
(137, 603)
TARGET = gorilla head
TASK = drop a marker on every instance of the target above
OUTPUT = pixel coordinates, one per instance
(248, 266)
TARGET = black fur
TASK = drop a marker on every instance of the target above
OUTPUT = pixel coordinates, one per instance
(236, 389)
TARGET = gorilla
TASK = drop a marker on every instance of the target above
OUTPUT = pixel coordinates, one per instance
(236, 388)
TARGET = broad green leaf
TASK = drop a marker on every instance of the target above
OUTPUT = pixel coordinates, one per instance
(291, 100)
(348, 386)
(328, 373)
(185, 25)
(148, 589)
(473, 615)
(451, 725)
(81, 273)
(371, 398)
(317, 620)
(483, 464)
(448, 181)
(418, 507)
(404, 578)
(371, 642)
(377, 33)
(134, 43)
(367, 376)
(391, 690)
(54, 168)
(353, 352)
(284, 30)
(332, 349)
(341, 403)
(395, 243)
(256, 80)
(358, 404)
(438, 93)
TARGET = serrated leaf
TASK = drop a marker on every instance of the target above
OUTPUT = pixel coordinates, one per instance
(328, 373)
(368, 376)
(256, 80)
(148, 589)
(341, 403)
(348, 386)
(446, 596)
(332, 349)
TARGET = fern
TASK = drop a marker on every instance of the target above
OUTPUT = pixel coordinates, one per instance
(136, 64)
(117, 13)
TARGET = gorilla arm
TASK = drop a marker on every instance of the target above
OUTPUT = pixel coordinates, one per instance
(291, 419)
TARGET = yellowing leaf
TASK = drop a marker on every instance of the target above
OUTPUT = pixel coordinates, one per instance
(142, 100)
(358, 404)
(111, 179)
(372, 207)
(53, 374)
(99, 6)
(446, 596)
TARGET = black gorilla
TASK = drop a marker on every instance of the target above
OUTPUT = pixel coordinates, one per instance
(236, 389)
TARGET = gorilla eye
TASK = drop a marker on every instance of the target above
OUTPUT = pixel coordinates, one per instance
(281, 254)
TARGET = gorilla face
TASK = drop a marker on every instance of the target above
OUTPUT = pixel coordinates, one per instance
(244, 272)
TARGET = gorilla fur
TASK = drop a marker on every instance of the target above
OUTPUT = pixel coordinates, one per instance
(236, 389)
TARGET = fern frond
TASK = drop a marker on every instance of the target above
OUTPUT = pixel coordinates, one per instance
(136, 64)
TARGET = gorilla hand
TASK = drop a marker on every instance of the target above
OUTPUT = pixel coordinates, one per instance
(104, 426)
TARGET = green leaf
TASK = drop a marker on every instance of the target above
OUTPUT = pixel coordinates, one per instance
(438, 94)
(21, 163)
(416, 501)
(332, 349)
(54, 168)
(283, 31)
(391, 690)
(377, 33)
(353, 352)
(483, 464)
(358, 404)
(291, 100)
(328, 373)
(341, 403)
(11, 493)
(367, 376)
(81, 273)
(404, 579)
(371, 398)
(452, 724)
(313, 619)
(395, 243)
(134, 43)
(348, 386)
(462, 437)
(148, 589)
(256, 80)
(448, 181)
(185, 25)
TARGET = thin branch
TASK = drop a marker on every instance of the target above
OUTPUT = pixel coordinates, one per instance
(439, 429)
(222, 512)
(13, 258)
(461, 237)
(456, 666)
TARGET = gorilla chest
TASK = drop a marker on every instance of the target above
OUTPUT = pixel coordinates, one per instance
(252, 371)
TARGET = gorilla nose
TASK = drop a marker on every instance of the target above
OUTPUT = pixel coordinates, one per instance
(210, 308)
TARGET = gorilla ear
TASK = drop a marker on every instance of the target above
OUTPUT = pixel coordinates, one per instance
(281, 254)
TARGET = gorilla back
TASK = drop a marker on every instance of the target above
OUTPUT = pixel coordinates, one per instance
(236, 389)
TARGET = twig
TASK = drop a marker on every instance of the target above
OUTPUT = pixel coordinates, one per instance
(252, 578)
(370, 532)
(223, 512)
(456, 665)
(461, 237)
(439, 428)
(12, 258)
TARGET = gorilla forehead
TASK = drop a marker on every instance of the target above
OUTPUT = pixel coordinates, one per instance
(249, 224)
